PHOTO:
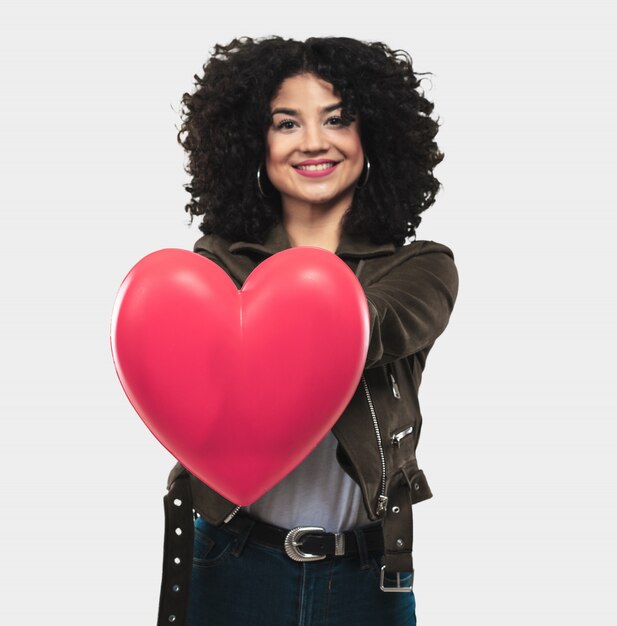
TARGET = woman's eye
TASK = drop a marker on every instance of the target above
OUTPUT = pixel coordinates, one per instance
(335, 121)
(285, 124)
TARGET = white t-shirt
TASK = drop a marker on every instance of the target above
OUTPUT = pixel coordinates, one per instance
(316, 493)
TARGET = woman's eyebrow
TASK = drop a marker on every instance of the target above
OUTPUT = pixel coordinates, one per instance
(332, 107)
(286, 111)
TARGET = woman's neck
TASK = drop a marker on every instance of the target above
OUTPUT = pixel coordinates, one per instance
(313, 227)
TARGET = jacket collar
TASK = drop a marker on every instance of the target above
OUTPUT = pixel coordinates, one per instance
(277, 240)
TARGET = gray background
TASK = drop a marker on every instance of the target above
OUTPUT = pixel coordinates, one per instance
(517, 398)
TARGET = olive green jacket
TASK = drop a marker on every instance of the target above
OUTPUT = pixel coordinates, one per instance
(410, 292)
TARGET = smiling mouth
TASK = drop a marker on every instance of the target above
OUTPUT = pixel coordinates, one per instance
(316, 167)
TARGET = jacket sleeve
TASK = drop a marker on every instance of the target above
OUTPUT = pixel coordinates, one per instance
(410, 306)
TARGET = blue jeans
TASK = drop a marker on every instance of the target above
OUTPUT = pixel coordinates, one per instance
(237, 582)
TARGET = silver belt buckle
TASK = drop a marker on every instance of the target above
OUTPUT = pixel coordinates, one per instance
(397, 587)
(292, 543)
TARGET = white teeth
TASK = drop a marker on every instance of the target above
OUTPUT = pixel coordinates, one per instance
(313, 168)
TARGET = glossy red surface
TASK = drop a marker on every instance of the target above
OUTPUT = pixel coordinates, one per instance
(240, 385)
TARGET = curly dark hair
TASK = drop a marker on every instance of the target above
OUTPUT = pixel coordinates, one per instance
(225, 120)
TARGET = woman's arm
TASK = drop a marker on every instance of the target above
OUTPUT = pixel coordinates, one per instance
(410, 306)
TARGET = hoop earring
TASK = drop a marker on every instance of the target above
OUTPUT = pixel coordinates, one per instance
(261, 191)
(366, 176)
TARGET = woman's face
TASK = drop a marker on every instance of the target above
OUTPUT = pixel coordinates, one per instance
(312, 158)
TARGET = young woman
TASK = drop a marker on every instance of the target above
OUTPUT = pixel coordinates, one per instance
(328, 143)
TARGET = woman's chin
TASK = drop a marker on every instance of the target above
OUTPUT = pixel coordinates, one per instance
(319, 201)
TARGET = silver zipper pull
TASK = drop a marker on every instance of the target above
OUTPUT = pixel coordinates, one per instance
(395, 390)
(382, 505)
(396, 438)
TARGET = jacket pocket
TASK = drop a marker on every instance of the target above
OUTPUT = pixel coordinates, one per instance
(394, 388)
(400, 434)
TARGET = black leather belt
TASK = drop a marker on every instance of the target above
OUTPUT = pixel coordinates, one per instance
(303, 543)
(309, 543)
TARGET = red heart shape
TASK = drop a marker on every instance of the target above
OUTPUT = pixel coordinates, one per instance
(240, 385)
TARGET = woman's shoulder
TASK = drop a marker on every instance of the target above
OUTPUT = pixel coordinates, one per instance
(419, 247)
(213, 244)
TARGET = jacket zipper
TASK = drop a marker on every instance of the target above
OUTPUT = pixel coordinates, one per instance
(231, 515)
(382, 500)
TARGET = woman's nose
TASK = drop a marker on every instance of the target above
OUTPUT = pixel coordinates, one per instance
(314, 139)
